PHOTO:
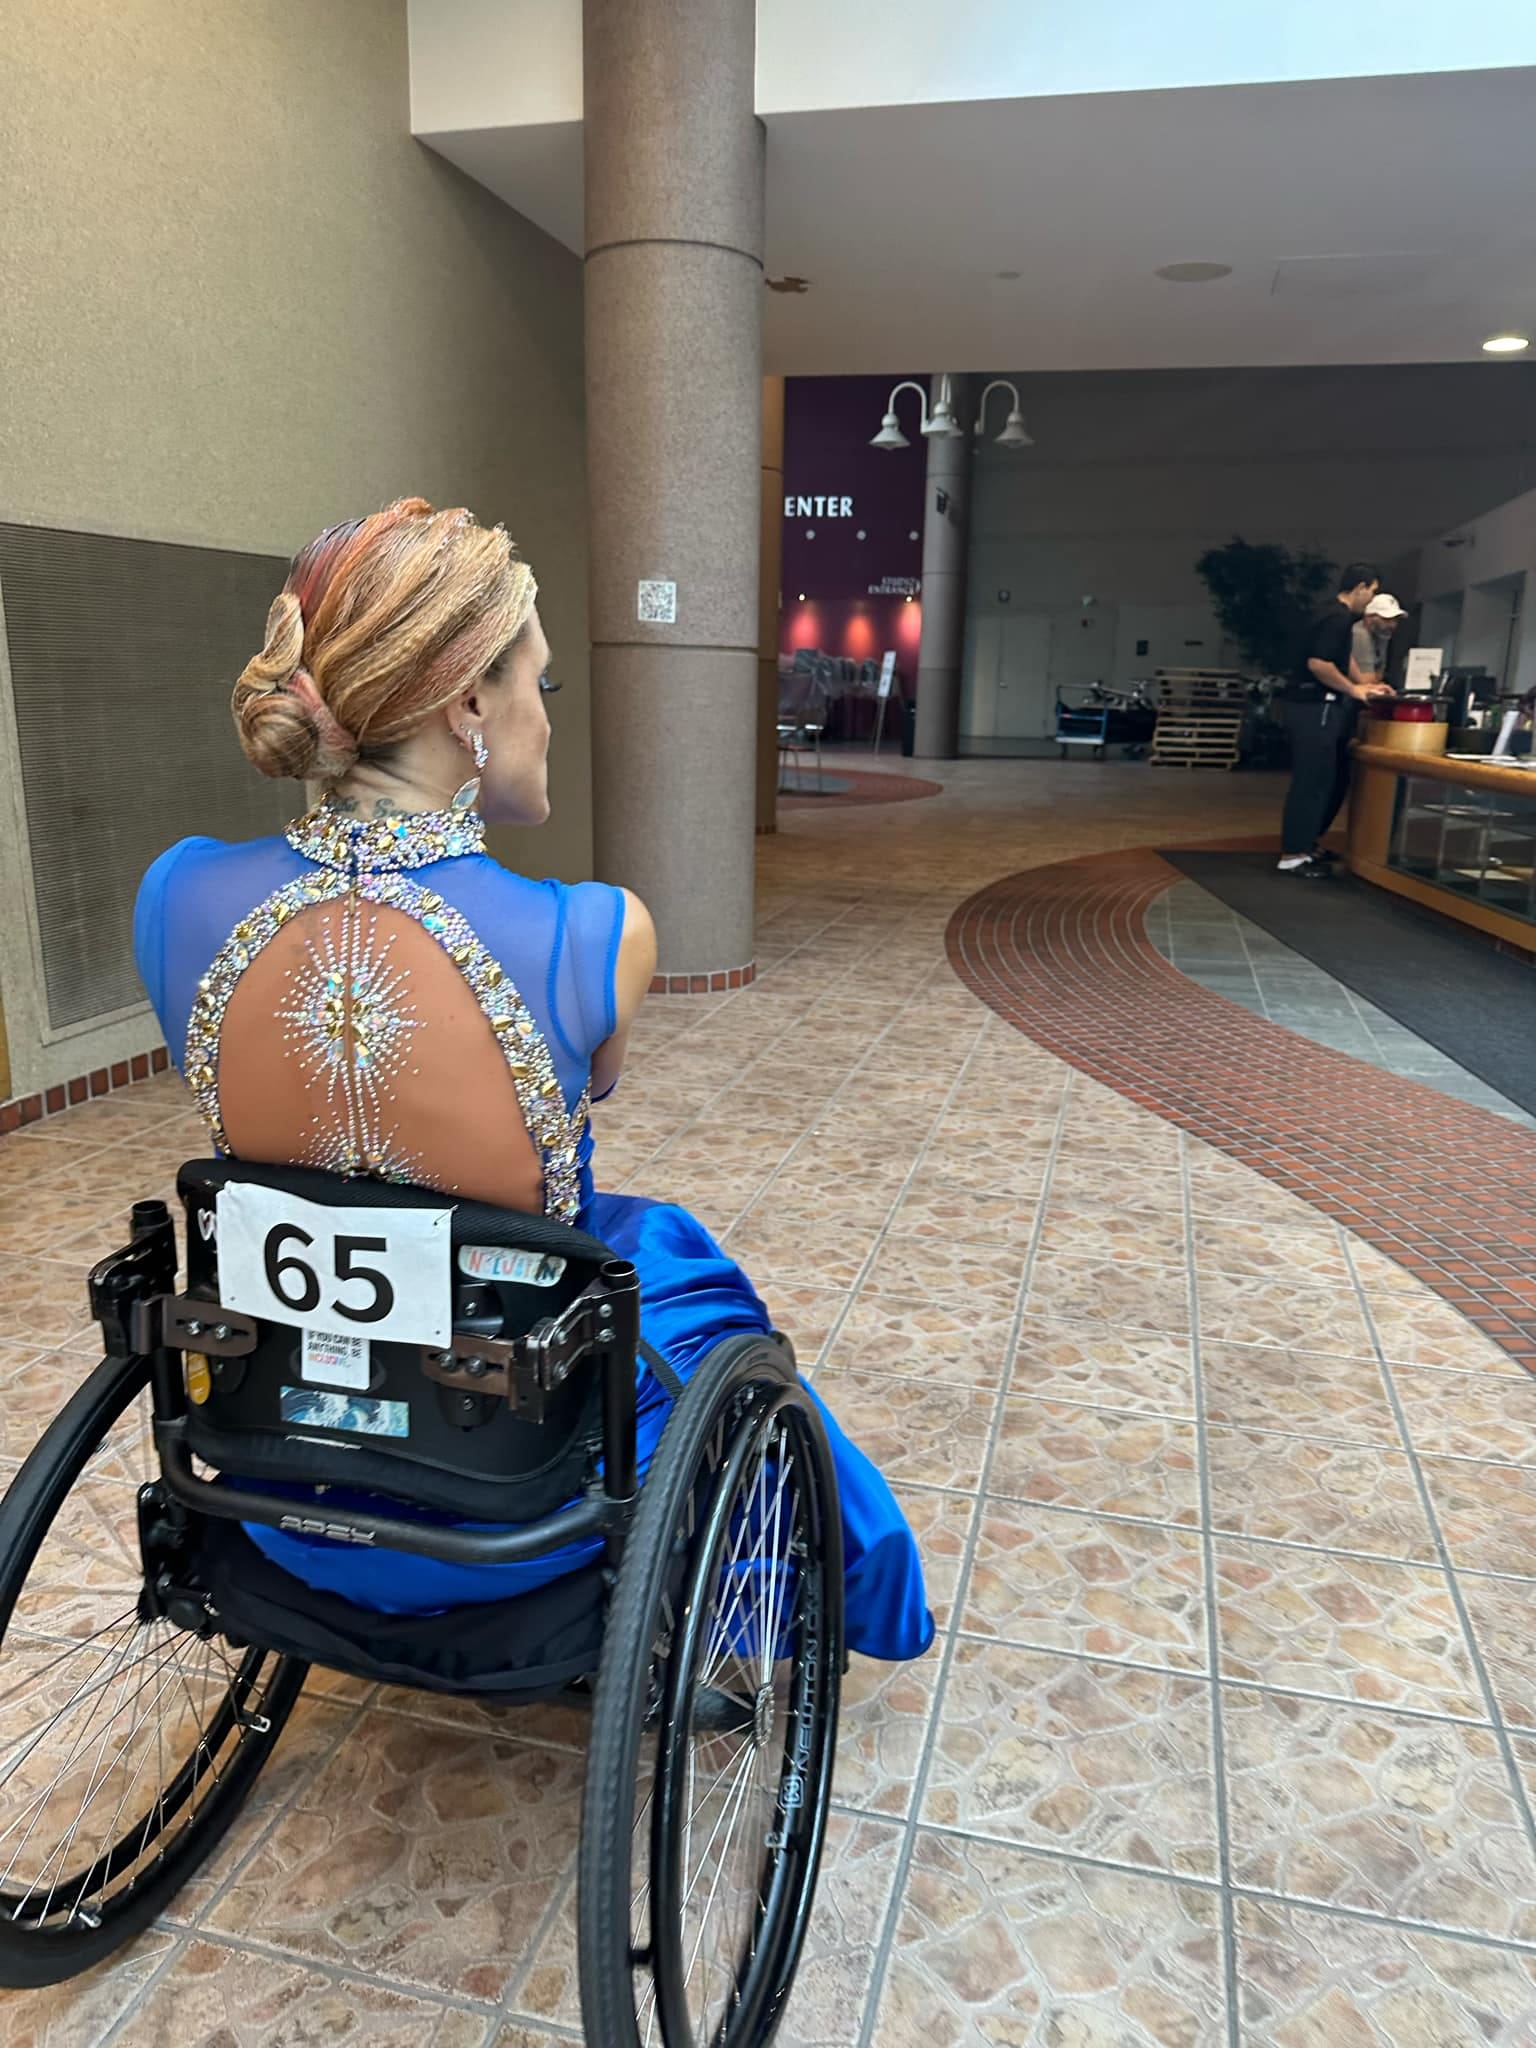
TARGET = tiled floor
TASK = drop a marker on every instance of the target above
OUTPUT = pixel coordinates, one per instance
(1229, 1736)
(1235, 958)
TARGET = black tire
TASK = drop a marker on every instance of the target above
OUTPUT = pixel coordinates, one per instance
(159, 1819)
(743, 1415)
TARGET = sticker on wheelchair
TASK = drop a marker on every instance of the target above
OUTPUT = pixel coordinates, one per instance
(520, 1269)
(383, 1274)
(335, 1359)
(358, 1414)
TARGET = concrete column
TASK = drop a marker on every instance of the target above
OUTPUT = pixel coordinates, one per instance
(945, 534)
(769, 605)
(674, 284)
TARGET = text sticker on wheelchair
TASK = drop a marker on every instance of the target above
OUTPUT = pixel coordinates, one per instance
(376, 1274)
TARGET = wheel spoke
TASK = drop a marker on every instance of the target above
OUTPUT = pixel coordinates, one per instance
(99, 1777)
(732, 1813)
(42, 1800)
(116, 1727)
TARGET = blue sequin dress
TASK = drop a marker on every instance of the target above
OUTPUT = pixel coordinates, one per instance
(558, 944)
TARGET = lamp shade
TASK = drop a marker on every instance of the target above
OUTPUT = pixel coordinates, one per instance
(1014, 434)
(890, 434)
(941, 423)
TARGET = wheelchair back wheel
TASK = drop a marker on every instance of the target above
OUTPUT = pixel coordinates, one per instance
(130, 1730)
(715, 1724)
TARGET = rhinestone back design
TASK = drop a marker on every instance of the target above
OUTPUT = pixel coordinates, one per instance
(349, 1016)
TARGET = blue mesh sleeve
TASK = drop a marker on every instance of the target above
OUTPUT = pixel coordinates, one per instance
(581, 978)
(149, 940)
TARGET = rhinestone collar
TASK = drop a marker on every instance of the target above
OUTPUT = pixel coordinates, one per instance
(376, 846)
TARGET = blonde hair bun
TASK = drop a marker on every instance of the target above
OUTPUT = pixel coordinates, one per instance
(383, 621)
(284, 727)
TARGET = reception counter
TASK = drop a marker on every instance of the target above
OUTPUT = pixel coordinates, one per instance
(1456, 835)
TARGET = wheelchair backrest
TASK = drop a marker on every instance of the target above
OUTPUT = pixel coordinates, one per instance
(357, 1335)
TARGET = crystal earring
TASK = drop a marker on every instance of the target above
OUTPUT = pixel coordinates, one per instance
(465, 795)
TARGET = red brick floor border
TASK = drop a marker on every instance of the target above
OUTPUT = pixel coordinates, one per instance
(1446, 1190)
(866, 786)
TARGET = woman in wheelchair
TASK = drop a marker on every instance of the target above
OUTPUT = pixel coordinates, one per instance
(372, 994)
(434, 1478)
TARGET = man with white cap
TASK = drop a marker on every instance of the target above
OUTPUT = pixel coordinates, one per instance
(1372, 636)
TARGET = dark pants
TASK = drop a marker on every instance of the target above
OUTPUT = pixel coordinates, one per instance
(1320, 736)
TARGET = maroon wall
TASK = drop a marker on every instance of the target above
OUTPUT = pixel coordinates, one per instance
(867, 531)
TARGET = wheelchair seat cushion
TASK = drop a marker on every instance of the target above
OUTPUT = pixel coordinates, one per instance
(526, 1647)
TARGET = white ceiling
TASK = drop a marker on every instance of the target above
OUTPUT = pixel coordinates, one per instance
(1367, 220)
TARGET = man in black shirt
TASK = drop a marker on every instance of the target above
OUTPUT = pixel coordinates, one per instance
(1320, 701)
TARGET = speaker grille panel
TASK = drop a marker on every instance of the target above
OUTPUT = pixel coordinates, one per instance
(123, 654)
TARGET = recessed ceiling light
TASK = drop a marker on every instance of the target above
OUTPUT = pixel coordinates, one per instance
(1505, 344)
(1194, 273)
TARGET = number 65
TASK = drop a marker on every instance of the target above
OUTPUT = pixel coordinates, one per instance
(345, 1269)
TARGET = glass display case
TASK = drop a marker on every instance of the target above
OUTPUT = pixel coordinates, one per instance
(1478, 843)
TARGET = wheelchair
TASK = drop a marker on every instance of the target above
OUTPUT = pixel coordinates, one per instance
(151, 1651)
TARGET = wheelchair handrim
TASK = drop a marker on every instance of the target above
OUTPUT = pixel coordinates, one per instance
(759, 1970)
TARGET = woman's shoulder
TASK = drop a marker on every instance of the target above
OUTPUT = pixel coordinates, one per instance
(196, 855)
(586, 902)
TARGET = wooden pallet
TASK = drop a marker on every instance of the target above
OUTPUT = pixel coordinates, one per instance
(1214, 692)
(1198, 736)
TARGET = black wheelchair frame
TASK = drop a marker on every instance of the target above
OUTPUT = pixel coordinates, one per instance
(133, 1298)
(709, 1624)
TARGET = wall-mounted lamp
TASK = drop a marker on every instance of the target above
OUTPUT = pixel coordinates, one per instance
(941, 421)
(1013, 434)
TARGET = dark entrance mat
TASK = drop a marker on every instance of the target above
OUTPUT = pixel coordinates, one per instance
(1473, 1004)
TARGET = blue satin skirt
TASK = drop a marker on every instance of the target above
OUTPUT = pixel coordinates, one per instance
(692, 1297)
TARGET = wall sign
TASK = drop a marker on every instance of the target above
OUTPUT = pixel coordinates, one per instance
(817, 508)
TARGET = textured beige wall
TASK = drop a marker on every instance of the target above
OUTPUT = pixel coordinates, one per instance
(238, 301)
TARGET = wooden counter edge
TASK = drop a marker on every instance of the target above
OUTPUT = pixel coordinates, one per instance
(1480, 774)
(1371, 804)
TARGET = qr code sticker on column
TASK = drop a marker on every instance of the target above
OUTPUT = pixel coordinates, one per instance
(658, 604)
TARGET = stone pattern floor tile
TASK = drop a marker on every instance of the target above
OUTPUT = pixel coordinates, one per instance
(1315, 1980)
(216, 1994)
(1097, 1458)
(1098, 1760)
(1064, 1327)
(1412, 1818)
(995, 1945)
(1502, 1613)
(1105, 1367)
(1384, 1635)
(1255, 1386)
(422, 1855)
(1084, 1583)
(1333, 1496)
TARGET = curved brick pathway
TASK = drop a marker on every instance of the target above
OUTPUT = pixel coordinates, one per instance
(846, 785)
(1447, 1191)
